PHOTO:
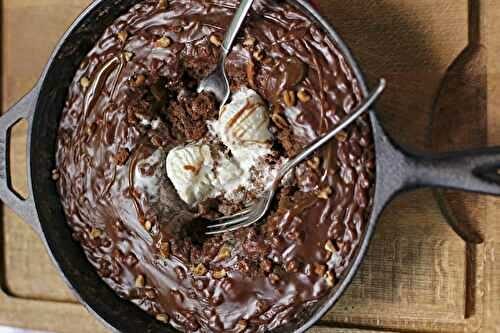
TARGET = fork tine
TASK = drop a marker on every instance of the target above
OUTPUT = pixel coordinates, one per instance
(236, 220)
(230, 217)
(262, 206)
(232, 228)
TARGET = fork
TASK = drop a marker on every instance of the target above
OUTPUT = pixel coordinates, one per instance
(217, 82)
(259, 209)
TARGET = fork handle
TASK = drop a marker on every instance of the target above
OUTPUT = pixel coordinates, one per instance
(367, 103)
(235, 25)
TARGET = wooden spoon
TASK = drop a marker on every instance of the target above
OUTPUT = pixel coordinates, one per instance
(459, 121)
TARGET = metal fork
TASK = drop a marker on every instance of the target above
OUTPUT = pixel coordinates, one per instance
(259, 209)
(217, 82)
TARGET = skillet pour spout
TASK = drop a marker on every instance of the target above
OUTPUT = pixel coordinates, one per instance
(397, 170)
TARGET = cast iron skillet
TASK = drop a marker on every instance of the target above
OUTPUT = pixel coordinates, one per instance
(397, 171)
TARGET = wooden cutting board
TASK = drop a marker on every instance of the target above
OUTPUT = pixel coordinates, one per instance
(417, 275)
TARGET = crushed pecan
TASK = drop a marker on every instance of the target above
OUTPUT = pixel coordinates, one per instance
(122, 156)
(289, 98)
(163, 42)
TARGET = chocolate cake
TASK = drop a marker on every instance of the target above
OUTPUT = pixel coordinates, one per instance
(133, 102)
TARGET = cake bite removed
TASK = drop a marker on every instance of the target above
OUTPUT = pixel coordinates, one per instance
(234, 160)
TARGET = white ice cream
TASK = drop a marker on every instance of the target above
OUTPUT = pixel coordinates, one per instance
(243, 127)
(190, 168)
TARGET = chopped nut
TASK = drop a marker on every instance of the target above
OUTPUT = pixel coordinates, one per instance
(156, 140)
(148, 225)
(89, 161)
(139, 80)
(131, 259)
(303, 95)
(131, 118)
(292, 266)
(258, 55)
(122, 156)
(151, 294)
(122, 36)
(95, 233)
(289, 98)
(241, 325)
(91, 129)
(84, 64)
(217, 299)
(128, 55)
(219, 274)
(224, 253)
(330, 247)
(250, 41)
(163, 42)
(162, 4)
(55, 174)
(274, 278)
(266, 265)
(243, 266)
(199, 270)
(164, 318)
(119, 224)
(165, 249)
(279, 121)
(314, 163)
(341, 136)
(319, 269)
(330, 279)
(293, 235)
(214, 39)
(261, 306)
(251, 74)
(267, 61)
(181, 274)
(200, 284)
(325, 193)
(84, 82)
(139, 281)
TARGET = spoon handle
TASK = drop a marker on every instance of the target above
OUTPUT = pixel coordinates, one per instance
(367, 103)
(235, 25)
(477, 22)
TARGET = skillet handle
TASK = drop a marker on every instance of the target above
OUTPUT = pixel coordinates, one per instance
(399, 170)
(471, 171)
(25, 208)
(475, 170)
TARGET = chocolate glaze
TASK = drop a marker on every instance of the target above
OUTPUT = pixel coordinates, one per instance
(115, 132)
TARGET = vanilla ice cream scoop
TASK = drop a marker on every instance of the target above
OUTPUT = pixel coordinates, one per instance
(190, 168)
(197, 176)
(199, 173)
(243, 124)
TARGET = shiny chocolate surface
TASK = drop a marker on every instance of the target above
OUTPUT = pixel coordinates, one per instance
(134, 99)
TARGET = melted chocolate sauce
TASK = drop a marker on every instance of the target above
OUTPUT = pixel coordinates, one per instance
(134, 229)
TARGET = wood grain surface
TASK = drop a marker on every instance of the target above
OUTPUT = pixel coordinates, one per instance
(414, 278)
